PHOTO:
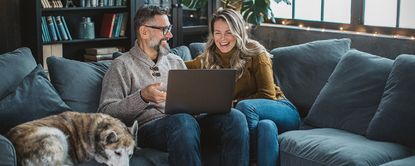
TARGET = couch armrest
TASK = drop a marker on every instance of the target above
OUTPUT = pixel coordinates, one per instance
(7, 152)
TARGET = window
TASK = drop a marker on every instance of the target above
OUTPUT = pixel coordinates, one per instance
(380, 13)
(393, 17)
(337, 11)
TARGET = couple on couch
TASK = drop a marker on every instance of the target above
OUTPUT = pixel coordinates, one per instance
(132, 89)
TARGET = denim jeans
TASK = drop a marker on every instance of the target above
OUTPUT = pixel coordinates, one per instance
(181, 136)
(266, 119)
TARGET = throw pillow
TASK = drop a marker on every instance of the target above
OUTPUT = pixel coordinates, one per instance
(394, 120)
(33, 98)
(14, 66)
(302, 70)
(78, 83)
(352, 94)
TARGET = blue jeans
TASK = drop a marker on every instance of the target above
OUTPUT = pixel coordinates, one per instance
(184, 136)
(266, 119)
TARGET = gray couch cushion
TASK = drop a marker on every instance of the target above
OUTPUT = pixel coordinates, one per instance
(78, 83)
(352, 94)
(141, 157)
(326, 146)
(394, 120)
(402, 162)
(33, 98)
(302, 70)
(183, 52)
(196, 48)
(14, 66)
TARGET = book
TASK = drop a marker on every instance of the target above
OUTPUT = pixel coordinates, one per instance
(124, 24)
(62, 30)
(99, 57)
(56, 28)
(117, 26)
(101, 50)
(107, 25)
(66, 28)
(51, 28)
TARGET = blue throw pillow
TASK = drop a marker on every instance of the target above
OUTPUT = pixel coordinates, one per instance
(394, 120)
(352, 94)
(302, 70)
(78, 83)
(14, 66)
(33, 98)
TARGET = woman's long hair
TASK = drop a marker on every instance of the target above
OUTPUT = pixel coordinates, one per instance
(245, 47)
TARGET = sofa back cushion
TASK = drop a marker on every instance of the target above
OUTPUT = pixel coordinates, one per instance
(394, 120)
(14, 66)
(352, 94)
(302, 70)
(33, 98)
(78, 83)
(196, 48)
(183, 52)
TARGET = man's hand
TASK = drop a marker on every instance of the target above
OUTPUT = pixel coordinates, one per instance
(151, 93)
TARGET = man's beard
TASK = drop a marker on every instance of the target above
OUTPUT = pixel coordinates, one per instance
(161, 49)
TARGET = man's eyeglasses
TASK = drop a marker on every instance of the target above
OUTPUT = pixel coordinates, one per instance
(165, 29)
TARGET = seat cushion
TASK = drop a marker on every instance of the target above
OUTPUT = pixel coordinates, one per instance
(352, 94)
(14, 66)
(394, 120)
(141, 157)
(302, 70)
(33, 98)
(402, 162)
(78, 83)
(326, 146)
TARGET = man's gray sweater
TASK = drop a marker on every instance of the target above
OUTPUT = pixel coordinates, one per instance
(128, 74)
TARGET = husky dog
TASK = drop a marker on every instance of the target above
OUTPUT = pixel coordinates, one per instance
(71, 137)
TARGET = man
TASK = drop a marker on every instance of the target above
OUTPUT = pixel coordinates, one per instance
(134, 89)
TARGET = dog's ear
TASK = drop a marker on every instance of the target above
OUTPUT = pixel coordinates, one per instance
(134, 130)
(112, 137)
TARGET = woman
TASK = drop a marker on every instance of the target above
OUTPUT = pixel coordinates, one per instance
(264, 105)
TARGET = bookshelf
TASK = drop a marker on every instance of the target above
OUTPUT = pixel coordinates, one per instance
(31, 21)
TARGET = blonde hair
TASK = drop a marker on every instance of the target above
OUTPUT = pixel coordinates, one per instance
(245, 47)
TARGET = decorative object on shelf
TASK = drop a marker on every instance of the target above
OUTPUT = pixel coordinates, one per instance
(69, 3)
(86, 29)
(82, 3)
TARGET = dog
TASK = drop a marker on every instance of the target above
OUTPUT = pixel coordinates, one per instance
(72, 137)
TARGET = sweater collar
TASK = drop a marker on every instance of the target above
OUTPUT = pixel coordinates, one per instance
(142, 56)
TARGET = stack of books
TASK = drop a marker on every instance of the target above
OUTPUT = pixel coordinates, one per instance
(100, 53)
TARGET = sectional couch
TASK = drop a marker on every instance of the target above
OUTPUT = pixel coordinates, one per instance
(356, 106)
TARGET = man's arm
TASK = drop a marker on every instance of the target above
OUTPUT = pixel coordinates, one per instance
(117, 99)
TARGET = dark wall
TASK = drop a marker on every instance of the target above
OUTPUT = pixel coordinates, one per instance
(10, 37)
(272, 37)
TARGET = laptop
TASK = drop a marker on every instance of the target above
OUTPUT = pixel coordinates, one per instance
(197, 91)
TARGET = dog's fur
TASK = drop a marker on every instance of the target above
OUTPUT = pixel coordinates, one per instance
(72, 137)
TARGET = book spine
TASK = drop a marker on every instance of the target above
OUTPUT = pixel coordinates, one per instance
(45, 27)
(66, 28)
(56, 28)
(52, 29)
(44, 30)
(119, 22)
(114, 26)
(124, 24)
(61, 28)
(107, 25)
